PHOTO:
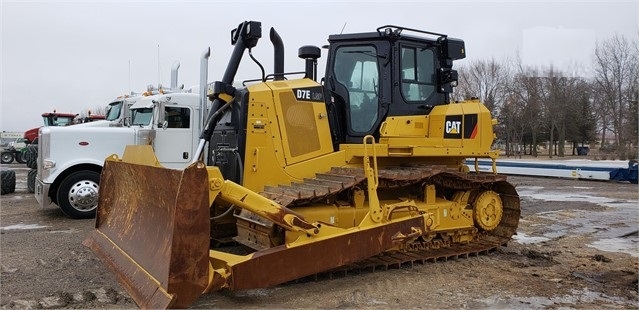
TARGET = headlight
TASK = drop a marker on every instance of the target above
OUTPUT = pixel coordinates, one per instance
(48, 164)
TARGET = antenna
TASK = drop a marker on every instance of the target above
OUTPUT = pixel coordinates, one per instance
(129, 76)
(159, 72)
(343, 28)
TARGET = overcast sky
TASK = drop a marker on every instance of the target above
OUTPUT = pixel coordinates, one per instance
(76, 55)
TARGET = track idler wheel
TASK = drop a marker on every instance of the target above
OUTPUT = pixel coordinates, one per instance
(487, 210)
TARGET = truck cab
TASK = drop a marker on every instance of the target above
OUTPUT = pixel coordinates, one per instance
(172, 116)
(71, 158)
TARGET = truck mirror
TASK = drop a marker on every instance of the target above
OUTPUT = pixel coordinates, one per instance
(126, 114)
(160, 113)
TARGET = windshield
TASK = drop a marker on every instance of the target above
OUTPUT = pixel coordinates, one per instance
(113, 111)
(141, 116)
(57, 120)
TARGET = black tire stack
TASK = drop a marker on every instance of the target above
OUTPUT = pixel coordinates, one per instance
(7, 181)
(31, 177)
(31, 156)
(21, 157)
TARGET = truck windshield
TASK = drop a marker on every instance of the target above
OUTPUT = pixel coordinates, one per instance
(57, 120)
(114, 109)
(141, 116)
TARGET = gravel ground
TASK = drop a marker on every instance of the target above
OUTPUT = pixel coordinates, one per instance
(576, 247)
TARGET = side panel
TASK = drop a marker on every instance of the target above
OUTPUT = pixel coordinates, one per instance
(287, 125)
(264, 157)
(468, 125)
(454, 130)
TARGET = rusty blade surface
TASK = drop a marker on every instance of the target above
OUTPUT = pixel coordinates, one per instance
(281, 264)
(152, 231)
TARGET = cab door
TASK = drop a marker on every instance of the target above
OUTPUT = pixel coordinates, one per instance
(356, 80)
(174, 144)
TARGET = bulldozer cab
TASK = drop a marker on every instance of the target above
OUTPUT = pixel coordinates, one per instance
(371, 76)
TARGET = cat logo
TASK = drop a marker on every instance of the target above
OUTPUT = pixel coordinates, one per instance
(453, 127)
(461, 126)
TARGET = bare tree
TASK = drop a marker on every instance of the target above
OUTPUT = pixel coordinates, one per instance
(512, 125)
(563, 104)
(616, 65)
(526, 89)
(554, 105)
(582, 123)
(486, 80)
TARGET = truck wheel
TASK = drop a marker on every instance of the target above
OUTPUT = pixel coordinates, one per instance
(6, 158)
(32, 156)
(31, 176)
(21, 157)
(78, 194)
(7, 181)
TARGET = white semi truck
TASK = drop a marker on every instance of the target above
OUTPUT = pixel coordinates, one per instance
(117, 115)
(70, 159)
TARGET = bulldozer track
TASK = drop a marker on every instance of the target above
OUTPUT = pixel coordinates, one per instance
(326, 185)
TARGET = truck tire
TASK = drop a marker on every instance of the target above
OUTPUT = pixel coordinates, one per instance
(78, 194)
(6, 157)
(7, 181)
(21, 156)
(31, 176)
(32, 156)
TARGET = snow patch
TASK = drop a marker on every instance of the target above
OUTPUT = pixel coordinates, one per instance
(522, 238)
(540, 302)
(619, 245)
(22, 227)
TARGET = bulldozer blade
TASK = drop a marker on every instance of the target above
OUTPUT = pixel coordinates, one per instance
(285, 263)
(152, 230)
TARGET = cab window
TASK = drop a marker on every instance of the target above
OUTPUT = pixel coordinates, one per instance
(418, 74)
(178, 117)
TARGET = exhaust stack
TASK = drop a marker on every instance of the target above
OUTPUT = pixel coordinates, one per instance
(204, 74)
(174, 75)
(278, 52)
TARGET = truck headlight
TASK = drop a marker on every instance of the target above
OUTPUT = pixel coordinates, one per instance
(48, 164)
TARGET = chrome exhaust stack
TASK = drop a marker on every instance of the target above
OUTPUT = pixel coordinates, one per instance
(204, 73)
(174, 75)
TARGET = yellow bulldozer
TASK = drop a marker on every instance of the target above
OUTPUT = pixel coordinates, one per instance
(294, 177)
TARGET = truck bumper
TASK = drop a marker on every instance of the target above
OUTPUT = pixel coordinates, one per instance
(42, 193)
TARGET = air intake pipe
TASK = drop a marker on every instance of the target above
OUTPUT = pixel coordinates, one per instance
(310, 54)
(278, 51)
